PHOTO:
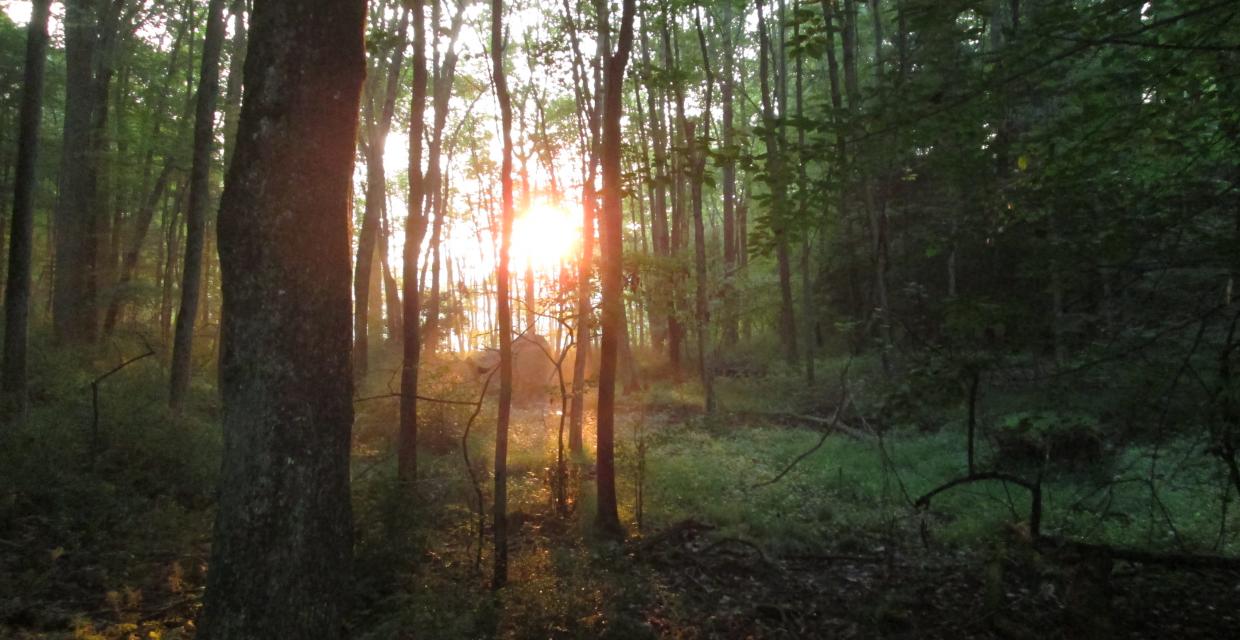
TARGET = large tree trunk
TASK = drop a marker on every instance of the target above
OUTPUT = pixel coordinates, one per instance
(282, 548)
(611, 238)
(21, 238)
(500, 516)
(74, 289)
(196, 217)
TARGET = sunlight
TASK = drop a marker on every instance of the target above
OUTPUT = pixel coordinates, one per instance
(544, 236)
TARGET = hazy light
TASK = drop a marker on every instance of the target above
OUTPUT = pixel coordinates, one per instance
(544, 236)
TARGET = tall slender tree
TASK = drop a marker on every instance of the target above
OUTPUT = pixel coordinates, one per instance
(415, 230)
(611, 240)
(199, 200)
(21, 237)
(502, 279)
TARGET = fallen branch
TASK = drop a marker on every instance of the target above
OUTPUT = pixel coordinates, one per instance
(1050, 544)
(831, 426)
(463, 403)
(94, 393)
(835, 424)
(1034, 488)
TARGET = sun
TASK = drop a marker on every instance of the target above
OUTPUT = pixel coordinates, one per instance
(544, 236)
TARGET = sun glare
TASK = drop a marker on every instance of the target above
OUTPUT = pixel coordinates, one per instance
(543, 236)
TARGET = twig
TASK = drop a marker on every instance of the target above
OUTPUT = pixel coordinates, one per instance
(1034, 488)
(832, 426)
(94, 393)
(383, 396)
(473, 478)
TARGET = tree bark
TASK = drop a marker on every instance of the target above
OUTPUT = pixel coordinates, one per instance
(779, 213)
(611, 238)
(588, 105)
(500, 516)
(411, 354)
(21, 237)
(196, 216)
(730, 328)
(282, 547)
(698, 150)
(74, 288)
(435, 190)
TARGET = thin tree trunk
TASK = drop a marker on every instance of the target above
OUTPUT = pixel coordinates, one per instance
(728, 170)
(407, 439)
(282, 550)
(807, 293)
(658, 203)
(774, 150)
(129, 260)
(590, 140)
(16, 402)
(500, 516)
(445, 73)
(196, 216)
(698, 150)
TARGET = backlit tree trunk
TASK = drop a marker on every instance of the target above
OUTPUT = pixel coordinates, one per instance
(611, 238)
(415, 230)
(500, 576)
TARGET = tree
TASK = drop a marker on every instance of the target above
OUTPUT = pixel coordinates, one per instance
(21, 238)
(411, 349)
(196, 216)
(588, 109)
(611, 245)
(502, 305)
(282, 545)
(383, 84)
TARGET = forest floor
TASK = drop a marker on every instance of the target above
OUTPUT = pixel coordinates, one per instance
(115, 545)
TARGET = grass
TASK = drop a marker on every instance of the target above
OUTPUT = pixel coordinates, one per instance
(90, 537)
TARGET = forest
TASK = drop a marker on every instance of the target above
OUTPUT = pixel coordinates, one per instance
(394, 319)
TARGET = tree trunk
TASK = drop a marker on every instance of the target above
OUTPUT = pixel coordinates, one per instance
(411, 354)
(675, 329)
(73, 298)
(698, 150)
(728, 170)
(500, 516)
(658, 203)
(282, 549)
(436, 192)
(584, 314)
(807, 293)
(196, 216)
(611, 219)
(779, 213)
(21, 237)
